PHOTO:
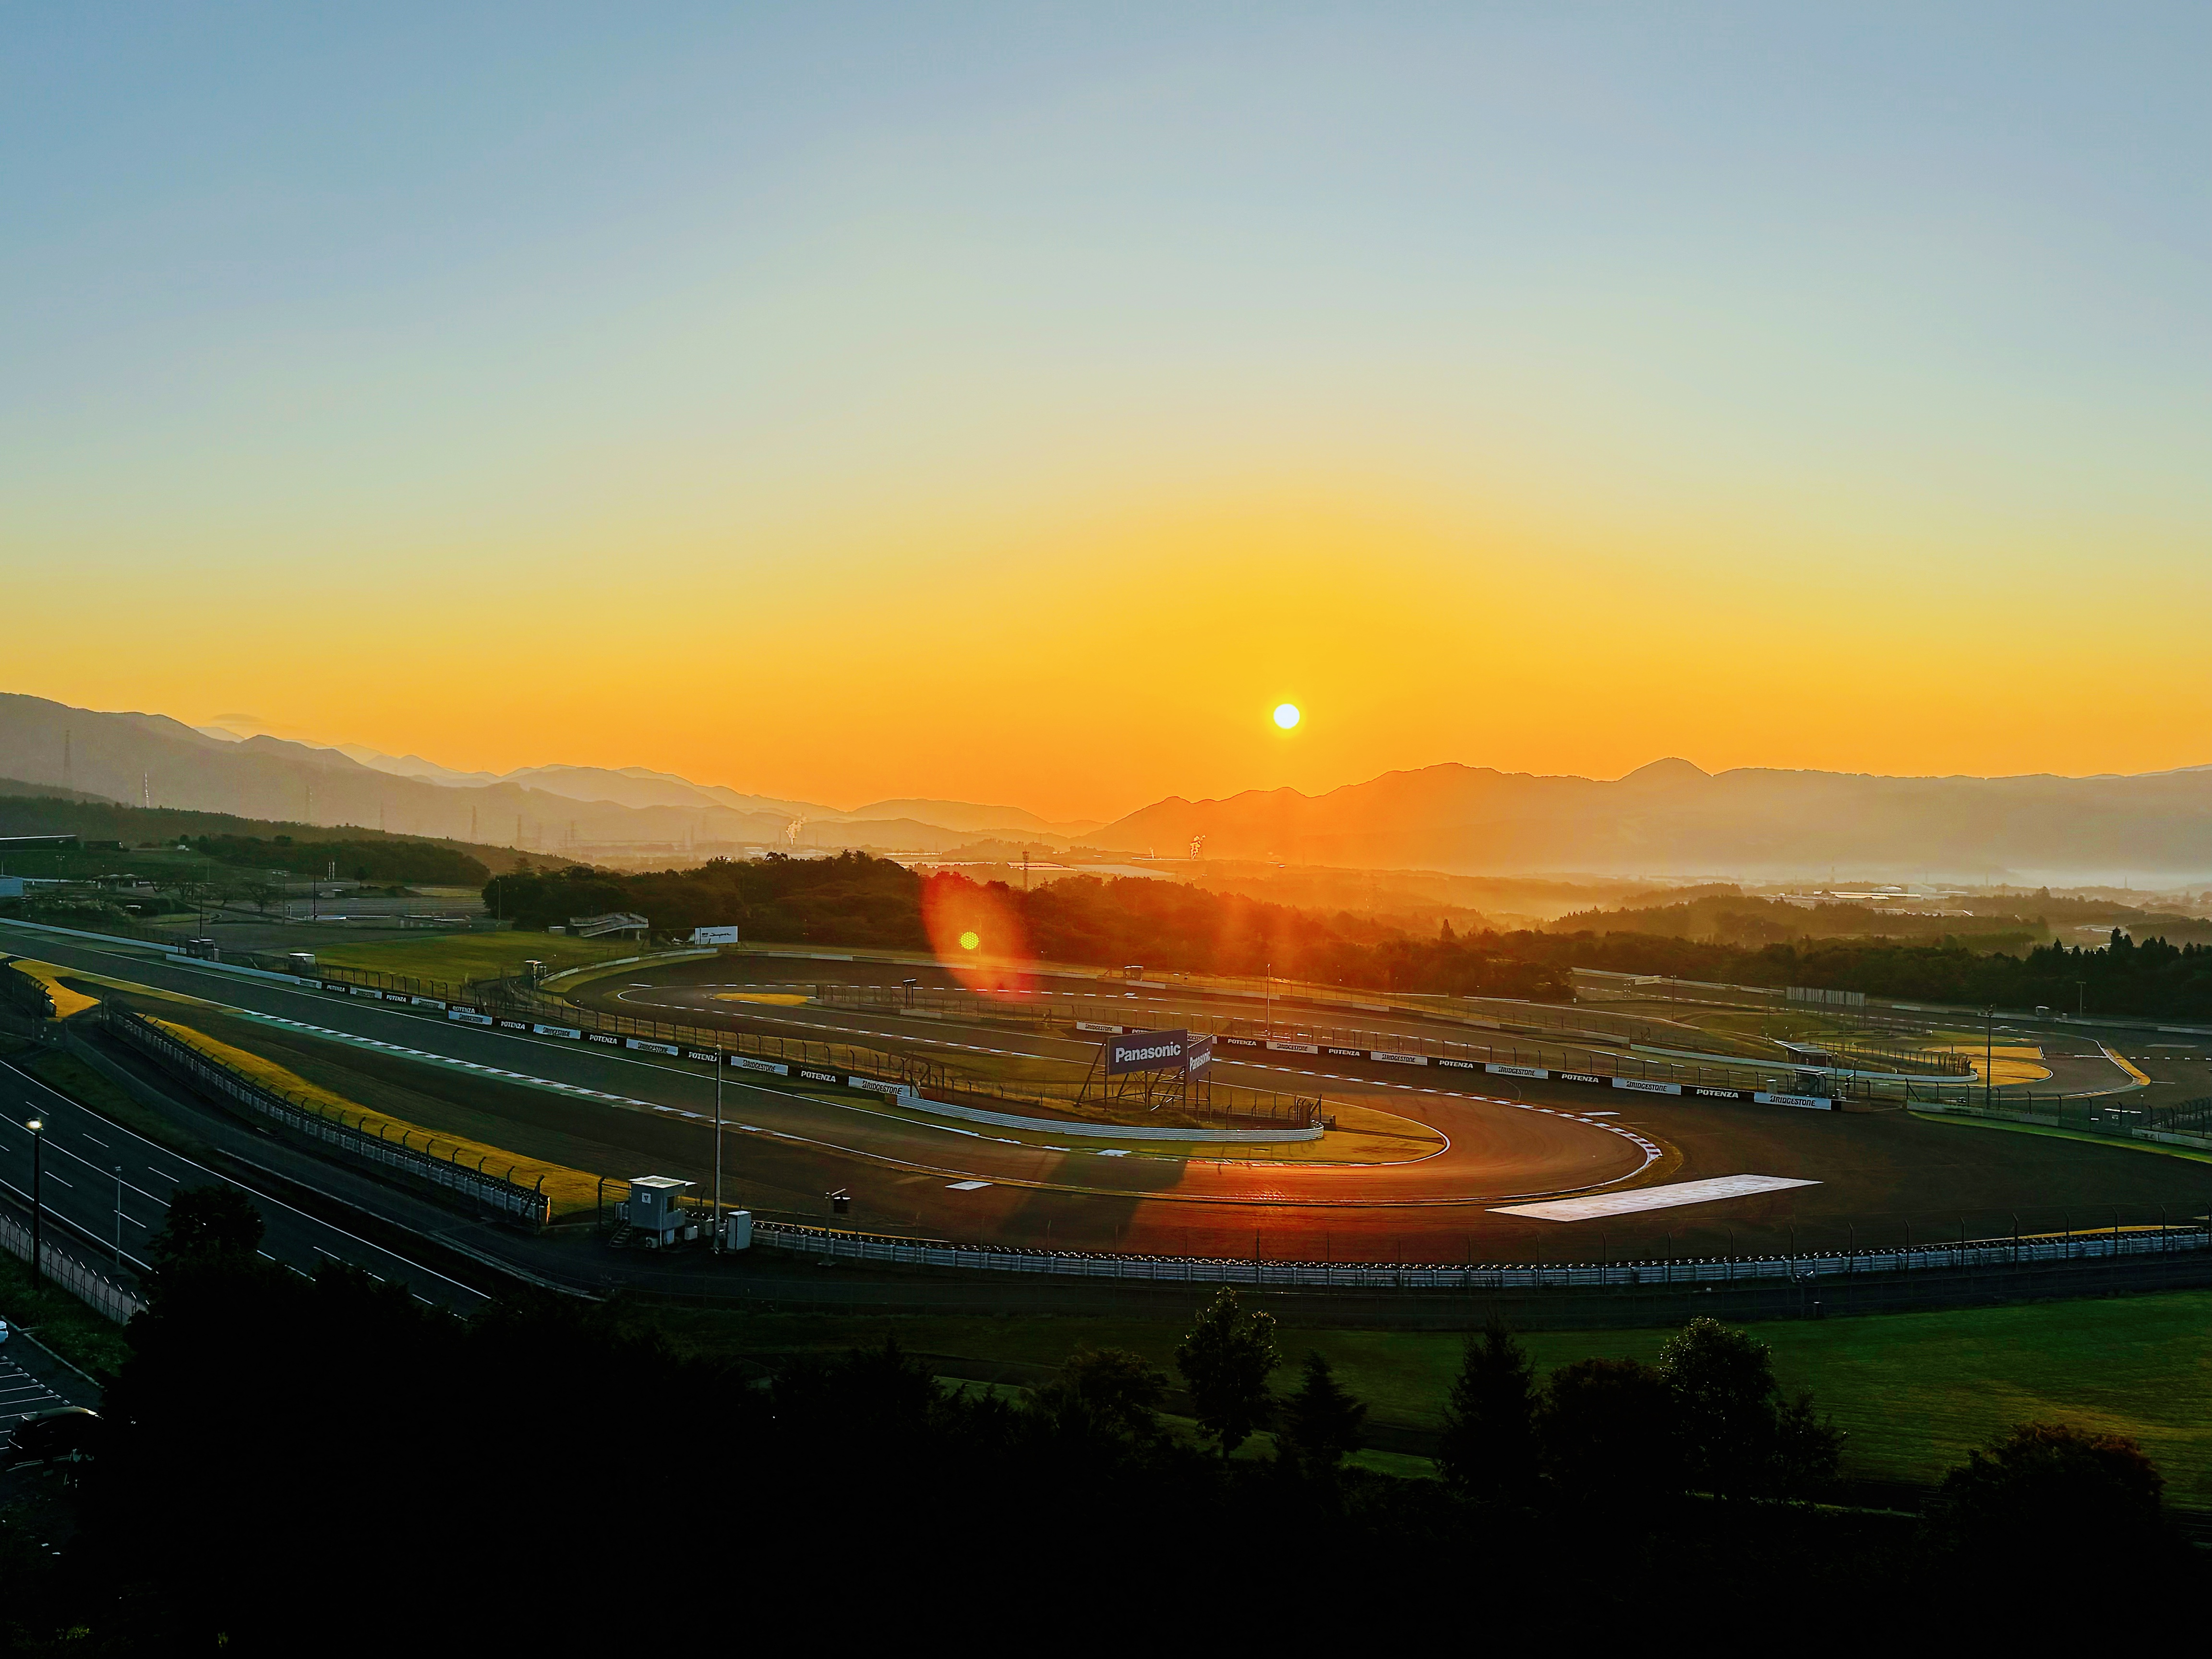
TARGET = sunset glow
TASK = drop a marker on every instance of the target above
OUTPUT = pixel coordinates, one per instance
(1522, 384)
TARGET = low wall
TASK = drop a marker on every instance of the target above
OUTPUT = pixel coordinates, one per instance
(1055, 1126)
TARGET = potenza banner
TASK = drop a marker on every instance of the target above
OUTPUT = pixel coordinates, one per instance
(1149, 1051)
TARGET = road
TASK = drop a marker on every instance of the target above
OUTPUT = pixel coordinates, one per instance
(105, 1193)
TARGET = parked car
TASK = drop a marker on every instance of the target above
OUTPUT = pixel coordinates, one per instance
(3, 1332)
(65, 1434)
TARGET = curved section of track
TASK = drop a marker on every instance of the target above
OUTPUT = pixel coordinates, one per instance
(1495, 1150)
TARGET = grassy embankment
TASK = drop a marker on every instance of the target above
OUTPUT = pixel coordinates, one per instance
(571, 1190)
(455, 957)
(1915, 1391)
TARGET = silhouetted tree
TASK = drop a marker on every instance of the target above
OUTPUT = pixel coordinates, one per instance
(1225, 1362)
(1319, 1427)
(1110, 1389)
(1488, 1450)
(1610, 1432)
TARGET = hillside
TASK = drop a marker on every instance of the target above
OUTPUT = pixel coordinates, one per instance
(1671, 819)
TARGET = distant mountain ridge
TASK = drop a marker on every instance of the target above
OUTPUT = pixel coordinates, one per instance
(1672, 819)
(138, 758)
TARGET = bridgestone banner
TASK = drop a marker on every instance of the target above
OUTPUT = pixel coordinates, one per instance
(1390, 1058)
(747, 1063)
(1148, 1051)
(568, 1031)
(466, 1017)
(652, 1047)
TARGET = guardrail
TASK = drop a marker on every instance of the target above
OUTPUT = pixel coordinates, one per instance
(1063, 1010)
(95, 1289)
(494, 1193)
(1483, 1276)
(847, 1065)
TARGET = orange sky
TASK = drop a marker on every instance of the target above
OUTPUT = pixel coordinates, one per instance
(1018, 408)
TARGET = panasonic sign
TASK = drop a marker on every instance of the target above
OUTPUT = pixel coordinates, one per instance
(1148, 1051)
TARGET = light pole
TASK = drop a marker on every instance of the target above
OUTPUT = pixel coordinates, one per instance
(720, 1061)
(1989, 1052)
(37, 1126)
(118, 1218)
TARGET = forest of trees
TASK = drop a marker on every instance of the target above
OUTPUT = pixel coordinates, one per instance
(329, 1465)
(858, 901)
(855, 900)
(432, 863)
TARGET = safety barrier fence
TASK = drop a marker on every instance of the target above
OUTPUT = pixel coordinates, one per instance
(846, 1065)
(1988, 1253)
(1291, 1038)
(2119, 1117)
(99, 1291)
(473, 1183)
(21, 994)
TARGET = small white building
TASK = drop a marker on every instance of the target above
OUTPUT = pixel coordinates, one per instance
(655, 1211)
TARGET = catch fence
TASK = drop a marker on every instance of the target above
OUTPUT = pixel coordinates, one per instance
(1230, 1105)
(1986, 1253)
(473, 1183)
(104, 1295)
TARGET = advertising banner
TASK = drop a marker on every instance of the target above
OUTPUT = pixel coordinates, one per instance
(1515, 1070)
(1148, 1051)
(746, 1062)
(651, 1047)
(714, 936)
(1390, 1057)
(568, 1031)
(467, 1016)
(1198, 1053)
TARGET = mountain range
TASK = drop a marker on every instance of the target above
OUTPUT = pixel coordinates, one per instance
(1672, 819)
(152, 759)
(1668, 820)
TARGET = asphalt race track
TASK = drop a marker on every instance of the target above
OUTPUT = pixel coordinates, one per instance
(1878, 1174)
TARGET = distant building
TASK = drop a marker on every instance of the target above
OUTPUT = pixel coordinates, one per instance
(37, 843)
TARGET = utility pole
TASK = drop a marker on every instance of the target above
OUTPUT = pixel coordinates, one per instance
(1989, 1053)
(118, 1218)
(720, 1061)
(37, 1126)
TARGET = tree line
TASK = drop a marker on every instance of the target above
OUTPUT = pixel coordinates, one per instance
(856, 899)
(326, 1464)
(433, 863)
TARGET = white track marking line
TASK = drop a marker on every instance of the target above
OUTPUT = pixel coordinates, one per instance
(1599, 1205)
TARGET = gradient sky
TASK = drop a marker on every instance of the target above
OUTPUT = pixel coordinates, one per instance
(1017, 402)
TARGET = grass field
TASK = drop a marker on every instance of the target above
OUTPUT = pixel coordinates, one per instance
(454, 958)
(2189, 1152)
(571, 1190)
(87, 1341)
(66, 1001)
(1914, 1391)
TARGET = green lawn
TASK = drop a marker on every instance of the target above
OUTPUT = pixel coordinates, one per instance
(87, 1341)
(454, 958)
(1915, 1391)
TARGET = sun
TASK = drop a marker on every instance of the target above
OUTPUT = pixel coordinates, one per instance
(1286, 715)
(970, 940)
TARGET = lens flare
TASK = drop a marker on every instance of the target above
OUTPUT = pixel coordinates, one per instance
(959, 916)
(1286, 715)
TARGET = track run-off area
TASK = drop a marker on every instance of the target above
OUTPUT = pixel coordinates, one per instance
(1469, 1181)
